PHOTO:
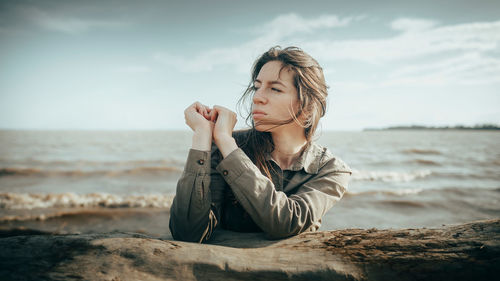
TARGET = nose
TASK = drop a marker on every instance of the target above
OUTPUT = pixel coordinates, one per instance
(258, 97)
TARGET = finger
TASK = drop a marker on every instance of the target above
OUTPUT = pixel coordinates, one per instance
(200, 107)
(192, 107)
(209, 115)
(197, 106)
(206, 111)
(221, 108)
(218, 110)
(214, 114)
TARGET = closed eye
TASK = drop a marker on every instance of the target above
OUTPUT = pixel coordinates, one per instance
(276, 90)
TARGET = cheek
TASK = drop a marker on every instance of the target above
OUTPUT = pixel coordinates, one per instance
(295, 104)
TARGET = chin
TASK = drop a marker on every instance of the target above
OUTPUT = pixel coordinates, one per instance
(263, 128)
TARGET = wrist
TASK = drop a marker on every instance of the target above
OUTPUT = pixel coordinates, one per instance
(226, 145)
(202, 140)
(203, 130)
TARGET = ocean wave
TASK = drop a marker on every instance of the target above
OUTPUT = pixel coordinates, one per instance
(90, 163)
(75, 215)
(391, 162)
(447, 191)
(72, 200)
(397, 192)
(387, 176)
(483, 175)
(401, 204)
(426, 162)
(25, 172)
(421, 151)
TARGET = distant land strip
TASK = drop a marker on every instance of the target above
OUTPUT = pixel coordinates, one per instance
(420, 127)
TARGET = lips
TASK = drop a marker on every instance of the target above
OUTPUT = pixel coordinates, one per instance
(258, 114)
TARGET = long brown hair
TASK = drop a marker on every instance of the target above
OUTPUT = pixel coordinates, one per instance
(311, 90)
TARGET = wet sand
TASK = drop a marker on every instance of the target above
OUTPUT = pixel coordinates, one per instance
(150, 221)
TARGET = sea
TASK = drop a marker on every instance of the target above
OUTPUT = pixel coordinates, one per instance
(66, 182)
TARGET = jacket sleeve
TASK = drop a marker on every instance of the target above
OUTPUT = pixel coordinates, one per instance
(196, 207)
(273, 211)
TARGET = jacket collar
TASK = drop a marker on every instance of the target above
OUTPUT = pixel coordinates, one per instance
(309, 160)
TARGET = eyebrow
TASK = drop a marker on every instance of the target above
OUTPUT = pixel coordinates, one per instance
(272, 82)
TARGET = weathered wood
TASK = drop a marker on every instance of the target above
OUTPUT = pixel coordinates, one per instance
(468, 251)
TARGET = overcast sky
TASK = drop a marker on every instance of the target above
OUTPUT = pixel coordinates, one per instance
(138, 64)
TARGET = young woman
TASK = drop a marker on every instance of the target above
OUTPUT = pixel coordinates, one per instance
(272, 177)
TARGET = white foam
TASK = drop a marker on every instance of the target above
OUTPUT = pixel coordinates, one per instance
(399, 192)
(407, 191)
(31, 201)
(389, 176)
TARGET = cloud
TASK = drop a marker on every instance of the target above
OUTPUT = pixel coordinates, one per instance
(285, 25)
(412, 25)
(469, 69)
(65, 24)
(416, 39)
(465, 69)
(420, 52)
(269, 34)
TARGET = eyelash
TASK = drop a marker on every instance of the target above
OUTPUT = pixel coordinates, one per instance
(274, 89)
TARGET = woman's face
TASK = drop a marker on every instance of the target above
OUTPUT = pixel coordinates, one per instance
(275, 99)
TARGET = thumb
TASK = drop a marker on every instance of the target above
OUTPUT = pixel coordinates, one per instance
(207, 114)
(213, 115)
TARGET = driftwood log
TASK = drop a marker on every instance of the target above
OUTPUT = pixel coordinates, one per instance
(468, 251)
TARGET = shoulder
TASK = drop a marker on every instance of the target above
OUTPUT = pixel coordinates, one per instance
(327, 161)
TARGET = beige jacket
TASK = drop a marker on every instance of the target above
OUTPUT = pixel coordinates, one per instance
(234, 194)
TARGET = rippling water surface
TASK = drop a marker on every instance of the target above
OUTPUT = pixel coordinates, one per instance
(86, 181)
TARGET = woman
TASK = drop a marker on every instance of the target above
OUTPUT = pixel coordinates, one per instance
(271, 177)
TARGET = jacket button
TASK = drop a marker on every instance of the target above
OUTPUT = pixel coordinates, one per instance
(201, 161)
(225, 172)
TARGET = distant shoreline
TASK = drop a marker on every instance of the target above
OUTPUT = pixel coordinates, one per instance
(488, 127)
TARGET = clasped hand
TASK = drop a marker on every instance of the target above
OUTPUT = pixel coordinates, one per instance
(217, 122)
